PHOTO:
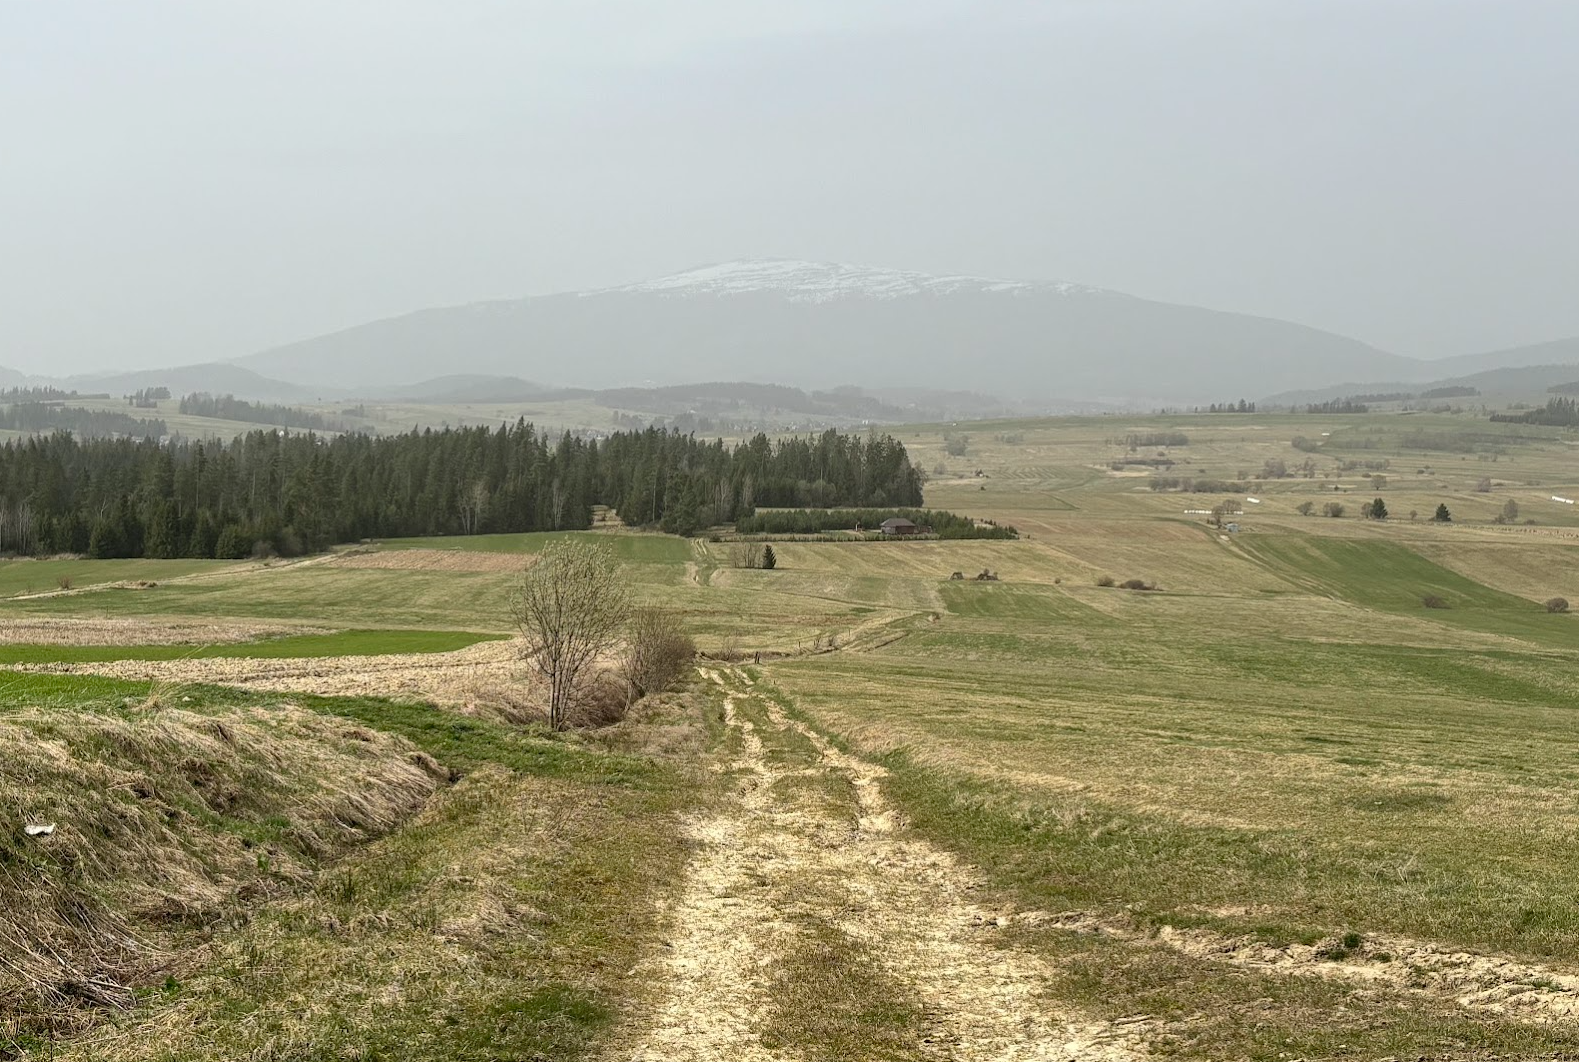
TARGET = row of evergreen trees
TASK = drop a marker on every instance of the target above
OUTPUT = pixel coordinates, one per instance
(86, 423)
(291, 493)
(1558, 412)
(229, 407)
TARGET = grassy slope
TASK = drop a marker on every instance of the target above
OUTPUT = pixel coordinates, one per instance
(498, 924)
(42, 576)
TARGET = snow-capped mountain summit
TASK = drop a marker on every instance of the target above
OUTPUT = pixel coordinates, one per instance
(803, 281)
(817, 324)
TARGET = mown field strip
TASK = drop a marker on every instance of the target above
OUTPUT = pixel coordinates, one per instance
(306, 646)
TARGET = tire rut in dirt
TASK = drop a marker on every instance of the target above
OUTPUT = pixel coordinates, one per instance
(767, 861)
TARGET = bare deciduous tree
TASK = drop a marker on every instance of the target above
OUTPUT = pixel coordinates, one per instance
(571, 607)
(556, 502)
(472, 503)
(745, 555)
(657, 652)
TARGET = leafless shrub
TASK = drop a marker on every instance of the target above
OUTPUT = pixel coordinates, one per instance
(1557, 604)
(657, 652)
(745, 555)
(64, 582)
(1434, 601)
(1137, 584)
(1106, 580)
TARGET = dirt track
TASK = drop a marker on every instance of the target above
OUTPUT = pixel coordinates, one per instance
(766, 860)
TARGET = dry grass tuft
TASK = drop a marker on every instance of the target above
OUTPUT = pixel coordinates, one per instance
(159, 820)
(516, 697)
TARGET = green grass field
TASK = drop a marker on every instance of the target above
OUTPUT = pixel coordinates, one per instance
(1282, 748)
(43, 576)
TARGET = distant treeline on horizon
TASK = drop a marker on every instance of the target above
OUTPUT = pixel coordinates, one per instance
(271, 492)
(1559, 413)
(229, 407)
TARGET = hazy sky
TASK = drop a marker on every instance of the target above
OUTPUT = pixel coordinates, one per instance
(186, 180)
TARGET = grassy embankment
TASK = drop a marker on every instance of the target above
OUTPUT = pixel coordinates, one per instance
(487, 907)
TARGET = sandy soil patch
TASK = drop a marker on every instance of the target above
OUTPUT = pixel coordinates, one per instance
(432, 560)
(51, 631)
(765, 862)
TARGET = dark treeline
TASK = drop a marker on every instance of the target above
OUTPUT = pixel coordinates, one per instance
(1338, 405)
(1190, 485)
(268, 491)
(1156, 438)
(148, 397)
(86, 423)
(229, 407)
(1240, 406)
(1559, 412)
(815, 521)
(40, 394)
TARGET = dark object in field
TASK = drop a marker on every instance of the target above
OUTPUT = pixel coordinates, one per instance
(957, 575)
(1434, 601)
(1106, 580)
(986, 577)
(1557, 604)
(1137, 584)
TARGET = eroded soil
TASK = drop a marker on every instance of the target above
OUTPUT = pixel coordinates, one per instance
(784, 850)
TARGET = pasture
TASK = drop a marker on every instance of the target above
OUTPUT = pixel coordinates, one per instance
(1278, 808)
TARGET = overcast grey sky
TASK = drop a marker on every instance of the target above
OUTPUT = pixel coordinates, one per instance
(187, 180)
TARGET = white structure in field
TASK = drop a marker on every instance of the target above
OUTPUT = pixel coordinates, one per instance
(1560, 498)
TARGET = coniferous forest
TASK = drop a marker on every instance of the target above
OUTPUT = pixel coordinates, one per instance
(294, 493)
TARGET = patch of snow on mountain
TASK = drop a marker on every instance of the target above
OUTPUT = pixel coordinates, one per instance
(827, 281)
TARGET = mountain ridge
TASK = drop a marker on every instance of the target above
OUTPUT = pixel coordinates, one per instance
(818, 324)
